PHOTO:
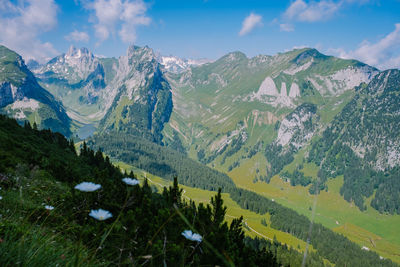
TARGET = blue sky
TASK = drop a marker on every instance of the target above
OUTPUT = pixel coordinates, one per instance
(368, 30)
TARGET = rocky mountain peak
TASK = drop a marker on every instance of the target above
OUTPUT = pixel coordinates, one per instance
(75, 65)
(177, 65)
(141, 53)
(74, 52)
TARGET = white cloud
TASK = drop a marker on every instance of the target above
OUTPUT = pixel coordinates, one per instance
(249, 23)
(299, 10)
(286, 27)
(314, 11)
(122, 15)
(77, 36)
(384, 54)
(22, 23)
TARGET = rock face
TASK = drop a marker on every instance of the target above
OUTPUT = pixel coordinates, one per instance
(74, 66)
(128, 94)
(294, 132)
(78, 79)
(141, 101)
(212, 100)
(369, 125)
(297, 128)
(23, 98)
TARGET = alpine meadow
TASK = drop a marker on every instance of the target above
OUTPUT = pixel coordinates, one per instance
(199, 133)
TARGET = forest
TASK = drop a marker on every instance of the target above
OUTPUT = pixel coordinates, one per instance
(46, 219)
(145, 155)
(366, 124)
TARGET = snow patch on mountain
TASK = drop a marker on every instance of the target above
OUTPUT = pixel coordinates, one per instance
(177, 65)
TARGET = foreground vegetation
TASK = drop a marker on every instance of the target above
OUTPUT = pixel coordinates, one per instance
(167, 163)
(45, 218)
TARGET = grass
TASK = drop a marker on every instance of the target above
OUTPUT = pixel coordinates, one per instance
(28, 237)
(29, 245)
(332, 210)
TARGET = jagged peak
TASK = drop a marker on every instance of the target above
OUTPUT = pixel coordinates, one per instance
(73, 52)
(176, 64)
(134, 50)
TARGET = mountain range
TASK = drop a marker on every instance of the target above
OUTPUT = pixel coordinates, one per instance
(220, 112)
(282, 115)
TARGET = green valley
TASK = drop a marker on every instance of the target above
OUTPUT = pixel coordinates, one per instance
(294, 141)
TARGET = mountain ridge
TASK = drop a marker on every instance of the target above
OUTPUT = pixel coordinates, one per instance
(22, 97)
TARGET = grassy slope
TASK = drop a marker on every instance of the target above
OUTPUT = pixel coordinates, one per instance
(27, 237)
(370, 228)
(253, 220)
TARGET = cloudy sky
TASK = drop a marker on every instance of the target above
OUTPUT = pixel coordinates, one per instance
(368, 30)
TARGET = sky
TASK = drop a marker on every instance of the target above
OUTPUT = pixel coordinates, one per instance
(367, 30)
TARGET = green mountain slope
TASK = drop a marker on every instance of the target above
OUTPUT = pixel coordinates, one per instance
(239, 100)
(45, 219)
(162, 161)
(268, 117)
(362, 143)
(23, 98)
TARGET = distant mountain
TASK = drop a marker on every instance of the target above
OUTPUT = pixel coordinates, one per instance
(140, 99)
(23, 98)
(78, 79)
(32, 64)
(229, 106)
(177, 65)
(127, 94)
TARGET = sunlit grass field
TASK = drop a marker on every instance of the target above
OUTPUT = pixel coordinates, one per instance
(253, 226)
(378, 232)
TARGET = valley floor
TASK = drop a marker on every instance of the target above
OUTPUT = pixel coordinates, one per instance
(370, 229)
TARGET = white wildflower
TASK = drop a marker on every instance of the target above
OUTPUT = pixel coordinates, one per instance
(100, 214)
(188, 234)
(87, 187)
(130, 181)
